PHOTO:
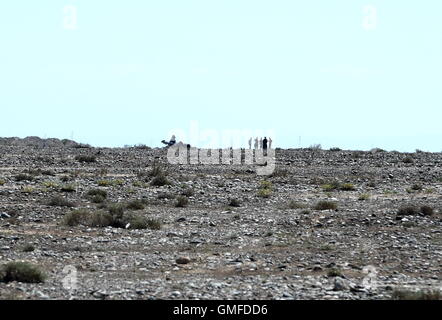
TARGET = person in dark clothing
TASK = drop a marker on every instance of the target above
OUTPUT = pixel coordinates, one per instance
(171, 142)
(264, 145)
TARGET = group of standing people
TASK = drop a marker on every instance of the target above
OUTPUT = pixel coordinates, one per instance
(261, 143)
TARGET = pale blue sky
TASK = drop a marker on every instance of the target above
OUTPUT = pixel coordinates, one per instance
(134, 70)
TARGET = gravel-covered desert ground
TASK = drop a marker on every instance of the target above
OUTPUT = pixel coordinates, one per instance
(101, 223)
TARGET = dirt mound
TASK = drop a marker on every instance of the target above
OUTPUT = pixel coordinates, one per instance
(39, 142)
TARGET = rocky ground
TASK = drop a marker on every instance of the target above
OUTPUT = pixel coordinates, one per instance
(272, 243)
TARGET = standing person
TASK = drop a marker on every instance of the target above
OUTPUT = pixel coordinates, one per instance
(171, 142)
(270, 143)
(256, 143)
(264, 146)
(250, 143)
(260, 143)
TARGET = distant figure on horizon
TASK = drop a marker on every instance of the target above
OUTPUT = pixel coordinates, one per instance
(256, 143)
(171, 142)
(270, 143)
(264, 145)
(260, 143)
(250, 143)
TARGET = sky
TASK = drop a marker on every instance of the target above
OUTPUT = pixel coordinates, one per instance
(349, 74)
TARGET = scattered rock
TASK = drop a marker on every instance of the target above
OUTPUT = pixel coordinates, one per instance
(340, 284)
(183, 260)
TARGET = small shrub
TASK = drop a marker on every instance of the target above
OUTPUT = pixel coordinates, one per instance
(296, 205)
(347, 187)
(59, 201)
(409, 224)
(28, 248)
(334, 272)
(96, 195)
(416, 187)
(280, 172)
(403, 294)
(139, 184)
(46, 172)
(114, 217)
(110, 183)
(326, 247)
(265, 189)
(411, 210)
(329, 187)
(159, 181)
(68, 188)
(21, 272)
(335, 149)
(188, 192)
(138, 222)
(135, 205)
(141, 147)
(97, 199)
(81, 146)
(153, 224)
(264, 193)
(76, 217)
(2, 182)
(427, 210)
(335, 185)
(181, 202)
(23, 177)
(28, 189)
(117, 182)
(364, 196)
(266, 185)
(100, 219)
(116, 209)
(408, 160)
(357, 154)
(32, 172)
(50, 184)
(408, 211)
(156, 171)
(234, 203)
(86, 159)
(104, 183)
(325, 205)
